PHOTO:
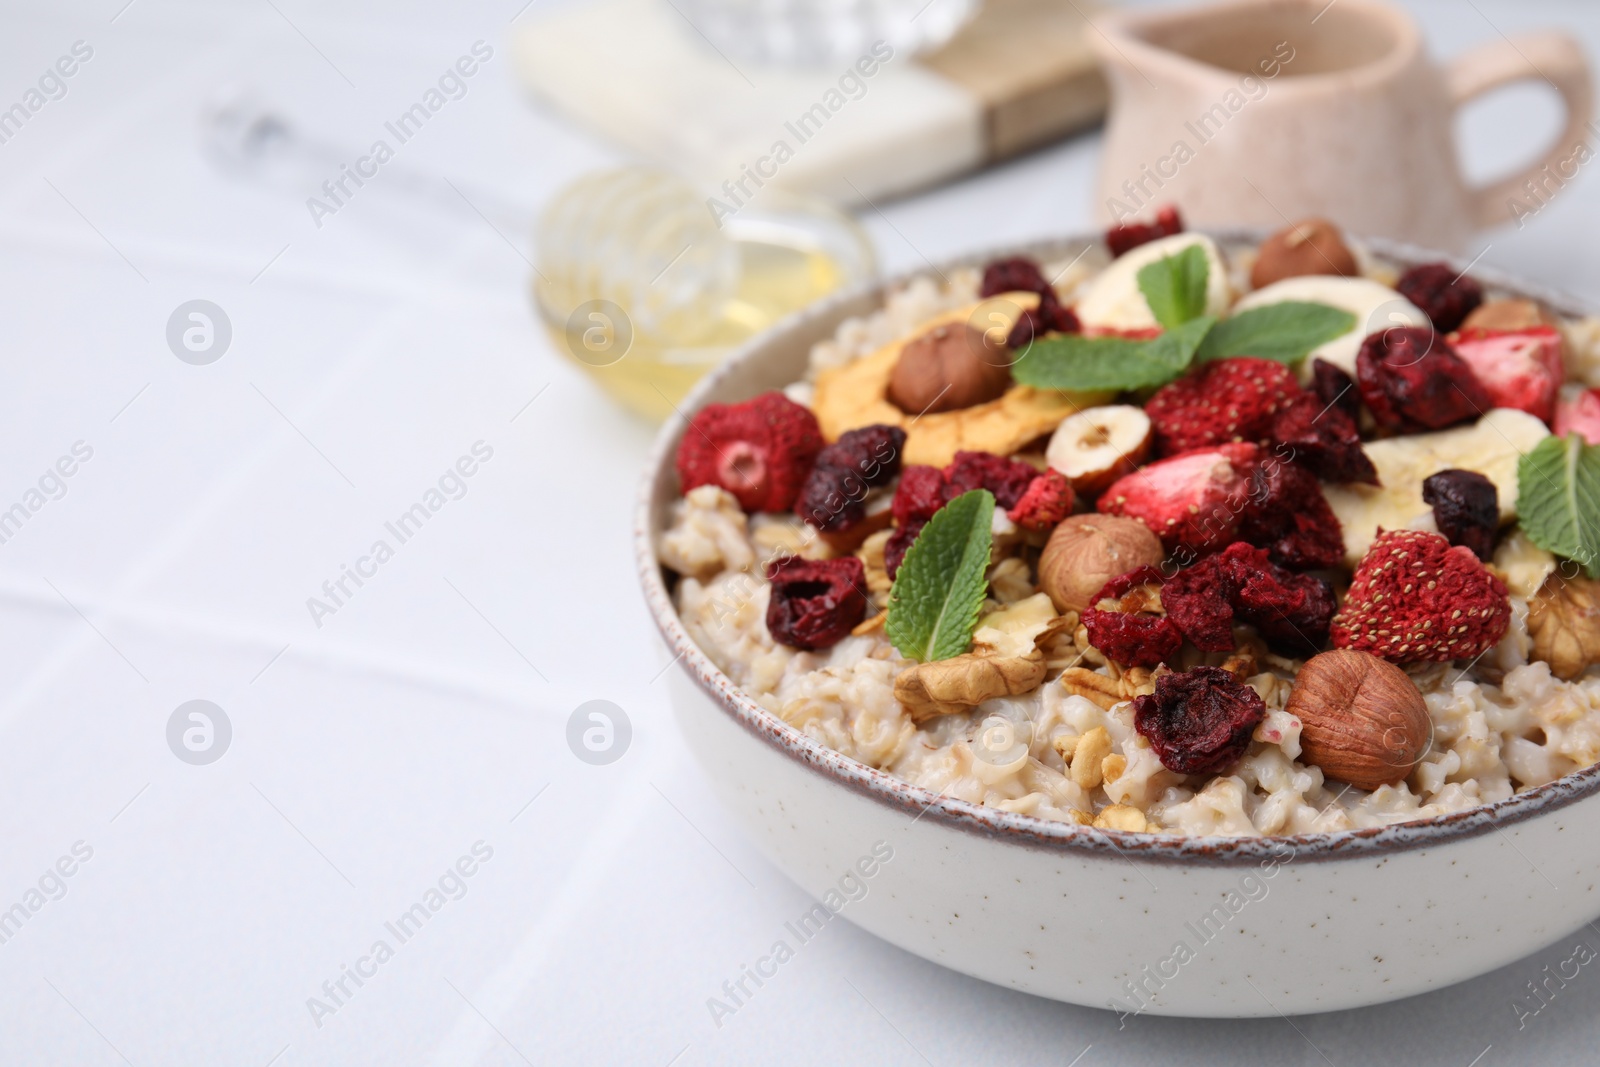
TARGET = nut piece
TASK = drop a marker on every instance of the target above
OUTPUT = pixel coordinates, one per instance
(1092, 686)
(1507, 315)
(948, 686)
(952, 366)
(1087, 551)
(1564, 621)
(1122, 817)
(1311, 246)
(1112, 766)
(1096, 447)
(1093, 748)
(1363, 720)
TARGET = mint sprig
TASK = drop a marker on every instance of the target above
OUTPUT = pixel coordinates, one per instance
(939, 588)
(1285, 332)
(1073, 362)
(1175, 286)
(1558, 499)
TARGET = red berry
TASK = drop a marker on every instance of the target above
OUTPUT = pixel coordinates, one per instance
(1323, 437)
(760, 451)
(815, 603)
(1412, 380)
(1006, 478)
(1128, 236)
(1287, 515)
(833, 498)
(1196, 599)
(1047, 501)
(1192, 500)
(1519, 369)
(1335, 388)
(1019, 274)
(1199, 721)
(1224, 400)
(1579, 414)
(894, 549)
(1466, 508)
(1446, 296)
(1290, 611)
(1416, 598)
(1131, 637)
(919, 494)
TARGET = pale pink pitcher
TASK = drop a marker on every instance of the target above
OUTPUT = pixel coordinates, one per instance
(1261, 112)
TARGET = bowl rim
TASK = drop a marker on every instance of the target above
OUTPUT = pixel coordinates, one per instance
(1028, 830)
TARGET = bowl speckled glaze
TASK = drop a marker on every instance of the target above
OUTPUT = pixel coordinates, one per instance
(1191, 926)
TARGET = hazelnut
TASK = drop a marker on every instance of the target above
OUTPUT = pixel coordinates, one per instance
(1310, 246)
(1564, 622)
(1362, 719)
(1507, 315)
(1087, 551)
(1094, 448)
(952, 366)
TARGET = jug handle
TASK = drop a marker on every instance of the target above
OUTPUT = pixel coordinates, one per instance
(1548, 56)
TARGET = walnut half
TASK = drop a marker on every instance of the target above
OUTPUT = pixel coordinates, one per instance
(1564, 622)
(948, 686)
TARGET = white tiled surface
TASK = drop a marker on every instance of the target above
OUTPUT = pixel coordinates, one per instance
(374, 751)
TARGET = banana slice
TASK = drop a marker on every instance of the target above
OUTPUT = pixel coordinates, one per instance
(1115, 302)
(1376, 307)
(1491, 447)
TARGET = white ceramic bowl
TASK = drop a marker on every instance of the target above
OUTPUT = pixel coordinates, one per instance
(1194, 926)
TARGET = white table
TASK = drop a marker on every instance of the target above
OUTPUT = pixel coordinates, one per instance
(428, 711)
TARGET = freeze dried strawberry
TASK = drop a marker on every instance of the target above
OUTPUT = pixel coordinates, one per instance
(1335, 388)
(1416, 598)
(1018, 274)
(760, 450)
(894, 549)
(1047, 501)
(1006, 478)
(1290, 611)
(1466, 508)
(1519, 369)
(1128, 236)
(1193, 499)
(1287, 515)
(1325, 439)
(1224, 400)
(1125, 633)
(815, 603)
(833, 498)
(1579, 414)
(919, 494)
(1444, 295)
(1199, 721)
(1412, 380)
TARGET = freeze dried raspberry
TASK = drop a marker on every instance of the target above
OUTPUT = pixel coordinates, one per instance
(1224, 400)
(1286, 514)
(1416, 598)
(894, 549)
(1199, 721)
(1018, 274)
(1006, 478)
(1128, 236)
(1335, 388)
(1466, 508)
(1325, 439)
(1445, 296)
(760, 451)
(1046, 503)
(1412, 380)
(833, 498)
(815, 603)
(1122, 632)
(1290, 611)
(919, 494)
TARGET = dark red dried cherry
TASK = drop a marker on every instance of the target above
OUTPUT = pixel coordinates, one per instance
(815, 603)
(1199, 721)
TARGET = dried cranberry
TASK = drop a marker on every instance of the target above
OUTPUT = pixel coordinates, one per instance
(833, 499)
(1132, 638)
(1445, 296)
(1199, 721)
(1006, 478)
(1286, 514)
(1466, 508)
(1290, 611)
(1335, 388)
(1019, 274)
(1325, 439)
(919, 495)
(894, 549)
(1123, 238)
(1197, 601)
(872, 451)
(815, 602)
(1412, 380)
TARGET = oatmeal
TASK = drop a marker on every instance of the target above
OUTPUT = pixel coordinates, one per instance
(1176, 544)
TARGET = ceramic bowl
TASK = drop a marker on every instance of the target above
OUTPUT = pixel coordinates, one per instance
(1190, 926)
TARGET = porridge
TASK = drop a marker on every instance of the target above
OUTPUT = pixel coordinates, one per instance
(1174, 538)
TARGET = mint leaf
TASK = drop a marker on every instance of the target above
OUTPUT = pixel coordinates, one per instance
(940, 585)
(1285, 332)
(1074, 362)
(1175, 286)
(1558, 499)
